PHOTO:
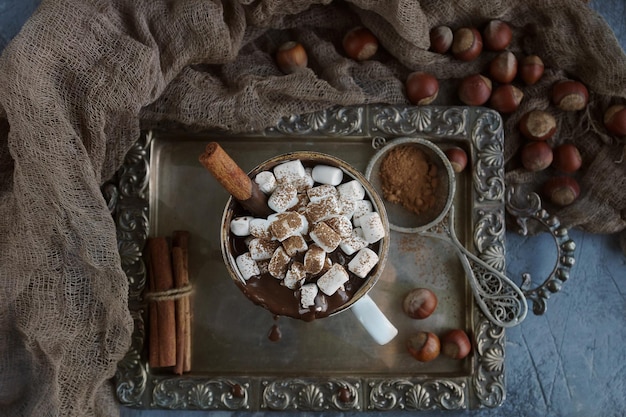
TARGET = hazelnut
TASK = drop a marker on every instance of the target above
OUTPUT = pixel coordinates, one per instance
(467, 44)
(474, 90)
(506, 98)
(570, 95)
(290, 57)
(615, 119)
(421, 88)
(440, 39)
(497, 35)
(456, 344)
(424, 346)
(536, 156)
(537, 125)
(567, 158)
(419, 303)
(561, 190)
(503, 67)
(360, 44)
(531, 69)
(457, 158)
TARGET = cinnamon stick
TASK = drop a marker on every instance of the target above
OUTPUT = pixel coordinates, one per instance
(153, 337)
(180, 276)
(163, 280)
(180, 238)
(234, 180)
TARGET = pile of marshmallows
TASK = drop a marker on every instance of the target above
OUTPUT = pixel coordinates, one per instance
(315, 213)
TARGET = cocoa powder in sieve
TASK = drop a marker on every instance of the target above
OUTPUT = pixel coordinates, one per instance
(409, 178)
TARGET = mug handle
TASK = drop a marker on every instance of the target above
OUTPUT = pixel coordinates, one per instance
(373, 320)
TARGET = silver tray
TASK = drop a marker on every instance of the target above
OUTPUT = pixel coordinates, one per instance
(329, 364)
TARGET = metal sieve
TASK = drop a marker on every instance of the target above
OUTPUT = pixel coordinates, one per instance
(499, 298)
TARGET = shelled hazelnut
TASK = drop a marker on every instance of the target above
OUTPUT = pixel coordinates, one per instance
(531, 69)
(467, 44)
(290, 57)
(421, 88)
(567, 158)
(419, 303)
(360, 44)
(536, 156)
(497, 35)
(570, 95)
(441, 39)
(561, 190)
(457, 157)
(475, 90)
(455, 344)
(424, 346)
(537, 125)
(503, 68)
(615, 119)
(506, 98)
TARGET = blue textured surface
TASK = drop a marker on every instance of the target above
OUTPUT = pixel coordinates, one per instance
(569, 362)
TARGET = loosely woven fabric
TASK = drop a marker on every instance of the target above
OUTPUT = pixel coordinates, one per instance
(83, 77)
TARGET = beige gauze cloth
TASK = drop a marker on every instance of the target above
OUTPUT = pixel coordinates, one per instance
(83, 77)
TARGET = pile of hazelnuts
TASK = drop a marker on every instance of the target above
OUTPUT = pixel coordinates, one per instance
(496, 89)
(538, 126)
(424, 346)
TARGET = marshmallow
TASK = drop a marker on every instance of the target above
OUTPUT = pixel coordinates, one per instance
(353, 243)
(260, 228)
(275, 216)
(351, 190)
(314, 259)
(283, 198)
(363, 262)
(347, 207)
(325, 237)
(294, 276)
(308, 292)
(294, 245)
(328, 263)
(325, 174)
(240, 226)
(247, 266)
(262, 248)
(323, 209)
(290, 224)
(279, 263)
(332, 280)
(304, 183)
(289, 171)
(266, 181)
(372, 227)
(341, 225)
(320, 192)
(304, 230)
(361, 208)
(300, 206)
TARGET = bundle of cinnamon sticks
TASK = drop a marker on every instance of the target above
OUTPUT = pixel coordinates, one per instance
(169, 342)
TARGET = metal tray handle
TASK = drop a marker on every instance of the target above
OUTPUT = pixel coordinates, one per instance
(530, 208)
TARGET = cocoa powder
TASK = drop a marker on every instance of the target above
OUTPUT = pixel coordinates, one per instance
(409, 178)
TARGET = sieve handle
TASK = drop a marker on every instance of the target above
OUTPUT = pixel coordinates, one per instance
(499, 298)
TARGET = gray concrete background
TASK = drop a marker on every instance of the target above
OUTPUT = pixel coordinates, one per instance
(570, 361)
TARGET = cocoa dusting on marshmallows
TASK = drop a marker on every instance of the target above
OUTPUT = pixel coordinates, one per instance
(409, 178)
(318, 251)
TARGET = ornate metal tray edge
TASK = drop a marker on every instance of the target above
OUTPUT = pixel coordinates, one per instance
(126, 195)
